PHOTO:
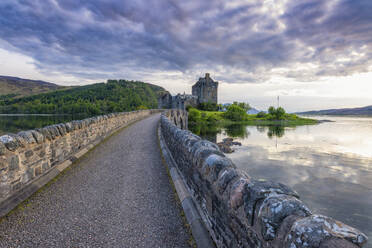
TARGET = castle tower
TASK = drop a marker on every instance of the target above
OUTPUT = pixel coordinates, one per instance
(205, 89)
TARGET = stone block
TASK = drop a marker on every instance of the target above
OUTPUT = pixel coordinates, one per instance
(61, 128)
(259, 190)
(45, 132)
(13, 162)
(10, 142)
(274, 209)
(312, 231)
(27, 136)
(236, 193)
(224, 179)
(38, 136)
(213, 164)
(29, 153)
(69, 127)
(55, 130)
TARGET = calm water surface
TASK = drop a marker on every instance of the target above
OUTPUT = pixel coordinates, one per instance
(16, 123)
(329, 164)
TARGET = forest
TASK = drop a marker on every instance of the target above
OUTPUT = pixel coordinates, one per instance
(95, 99)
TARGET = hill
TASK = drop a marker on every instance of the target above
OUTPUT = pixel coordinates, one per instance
(253, 111)
(100, 98)
(366, 111)
(19, 87)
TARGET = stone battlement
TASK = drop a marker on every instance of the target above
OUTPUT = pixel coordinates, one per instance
(240, 211)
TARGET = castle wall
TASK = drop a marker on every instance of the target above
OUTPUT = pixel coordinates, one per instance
(206, 90)
(165, 101)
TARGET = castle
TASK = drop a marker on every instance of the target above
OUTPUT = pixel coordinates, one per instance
(203, 91)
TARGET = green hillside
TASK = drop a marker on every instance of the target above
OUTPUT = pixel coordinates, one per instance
(18, 87)
(101, 98)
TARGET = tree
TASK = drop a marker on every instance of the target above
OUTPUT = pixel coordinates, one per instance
(245, 106)
(194, 115)
(276, 113)
(280, 112)
(115, 96)
(271, 110)
(261, 114)
(208, 106)
(235, 113)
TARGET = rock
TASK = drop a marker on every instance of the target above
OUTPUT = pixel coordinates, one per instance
(275, 208)
(14, 163)
(226, 143)
(29, 153)
(313, 230)
(45, 132)
(10, 142)
(225, 178)
(38, 136)
(27, 136)
(258, 190)
(225, 148)
(69, 127)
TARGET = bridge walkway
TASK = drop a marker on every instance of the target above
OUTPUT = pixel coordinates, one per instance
(118, 195)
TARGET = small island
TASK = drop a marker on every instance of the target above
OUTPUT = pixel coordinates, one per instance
(236, 113)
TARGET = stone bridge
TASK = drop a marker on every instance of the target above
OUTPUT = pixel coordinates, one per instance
(140, 179)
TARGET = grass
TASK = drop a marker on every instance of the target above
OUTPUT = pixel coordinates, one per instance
(217, 118)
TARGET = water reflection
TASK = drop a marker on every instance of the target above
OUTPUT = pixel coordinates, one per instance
(336, 185)
(275, 131)
(329, 164)
(210, 132)
(236, 130)
(16, 123)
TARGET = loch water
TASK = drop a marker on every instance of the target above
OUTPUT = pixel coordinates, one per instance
(328, 164)
(18, 122)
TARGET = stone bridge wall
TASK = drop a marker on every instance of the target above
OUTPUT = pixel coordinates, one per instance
(240, 211)
(28, 155)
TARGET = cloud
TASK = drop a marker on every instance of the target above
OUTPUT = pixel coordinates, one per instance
(239, 42)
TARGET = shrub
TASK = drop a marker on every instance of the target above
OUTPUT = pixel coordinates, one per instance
(208, 106)
(261, 114)
(194, 115)
(235, 113)
(212, 119)
(276, 113)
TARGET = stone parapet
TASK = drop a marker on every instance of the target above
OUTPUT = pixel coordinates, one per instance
(240, 211)
(29, 155)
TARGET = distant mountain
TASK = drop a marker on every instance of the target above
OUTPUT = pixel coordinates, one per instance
(93, 99)
(19, 87)
(253, 111)
(344, 111)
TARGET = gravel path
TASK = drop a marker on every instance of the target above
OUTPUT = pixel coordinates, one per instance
(118, 195)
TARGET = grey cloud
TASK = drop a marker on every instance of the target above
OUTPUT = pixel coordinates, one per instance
(103, 38)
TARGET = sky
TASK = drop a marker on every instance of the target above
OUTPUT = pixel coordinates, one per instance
(314, 54)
